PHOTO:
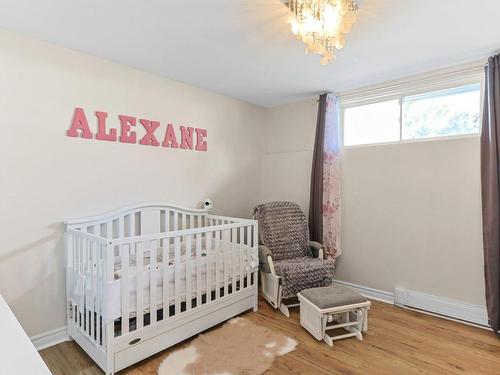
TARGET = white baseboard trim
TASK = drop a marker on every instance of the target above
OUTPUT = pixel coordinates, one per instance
(426, 303)
(378, 295)
(467, 312)
(50, 338)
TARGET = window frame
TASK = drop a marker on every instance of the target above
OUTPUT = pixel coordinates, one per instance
(472, 74)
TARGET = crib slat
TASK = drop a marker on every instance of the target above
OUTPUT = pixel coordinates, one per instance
(124, 254)
(188, 271)
(254, 244)
(94, 291)
(183, 220)
(95, 248)
(152, 282)
(109, 266)
(208, 249)
(90, 295)
(82, 273)
(241, 247)
(198, 271)
(217, 263)
(234, 241)
(254, 232)
(85, 323)
(226, 253)
(99, 294)
(71, 263)
(166, 282)
(191, 221)
(139, 262)
(79, 258)
(79, 261)
(247, 255)
(177, 273)
(85, 271)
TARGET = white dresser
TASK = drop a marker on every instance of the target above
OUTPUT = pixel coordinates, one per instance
(17, 353)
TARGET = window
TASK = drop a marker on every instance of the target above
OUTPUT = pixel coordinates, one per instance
(441, 113)
(372, 123)
(448, 112)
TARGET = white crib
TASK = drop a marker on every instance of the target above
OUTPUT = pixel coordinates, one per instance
(144, 278)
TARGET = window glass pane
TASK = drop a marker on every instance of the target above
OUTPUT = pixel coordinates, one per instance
(442, 113)
(372, 123)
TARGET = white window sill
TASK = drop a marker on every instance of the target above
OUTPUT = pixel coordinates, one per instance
(419, 140)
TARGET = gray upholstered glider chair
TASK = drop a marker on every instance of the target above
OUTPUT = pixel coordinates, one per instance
(289, 261)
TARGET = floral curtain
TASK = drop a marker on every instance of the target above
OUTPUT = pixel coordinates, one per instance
(325, 196)
(332, 179)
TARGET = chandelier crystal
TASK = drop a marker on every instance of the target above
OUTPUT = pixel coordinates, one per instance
(321, 24)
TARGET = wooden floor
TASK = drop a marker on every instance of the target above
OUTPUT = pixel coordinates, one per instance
(398, 341)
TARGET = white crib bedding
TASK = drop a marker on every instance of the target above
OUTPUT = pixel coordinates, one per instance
(159, 254)
(112, 305)
(182, 287)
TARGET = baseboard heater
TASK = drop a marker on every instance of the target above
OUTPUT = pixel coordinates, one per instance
(442, 306)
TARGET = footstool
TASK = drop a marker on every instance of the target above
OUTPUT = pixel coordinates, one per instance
(335, 304)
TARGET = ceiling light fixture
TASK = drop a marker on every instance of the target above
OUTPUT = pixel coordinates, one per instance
(321, 24)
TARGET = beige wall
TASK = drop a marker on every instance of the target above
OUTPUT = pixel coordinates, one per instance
(47, 177)
(411, 212)
(286, 162)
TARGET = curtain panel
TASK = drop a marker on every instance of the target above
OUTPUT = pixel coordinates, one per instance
(490, 185)
(326, 178)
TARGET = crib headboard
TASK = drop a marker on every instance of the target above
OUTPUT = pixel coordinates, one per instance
(139, 220)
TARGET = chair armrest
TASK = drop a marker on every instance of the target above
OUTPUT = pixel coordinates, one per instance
(266, 260)
(317, 249)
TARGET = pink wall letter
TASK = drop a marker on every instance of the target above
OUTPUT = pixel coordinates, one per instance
(80, 128)
(79, 123)
(170, 139)
(101, 128)
(126, 135)
(187, 137)
(201, 144)
(149, 138)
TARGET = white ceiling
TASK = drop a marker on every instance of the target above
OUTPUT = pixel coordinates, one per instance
(244, 48)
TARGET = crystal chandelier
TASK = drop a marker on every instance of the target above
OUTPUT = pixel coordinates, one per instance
(321, 24)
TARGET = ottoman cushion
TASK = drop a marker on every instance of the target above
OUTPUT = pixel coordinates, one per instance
(332, 296)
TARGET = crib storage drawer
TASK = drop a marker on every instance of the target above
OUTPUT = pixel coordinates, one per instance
(175, 333)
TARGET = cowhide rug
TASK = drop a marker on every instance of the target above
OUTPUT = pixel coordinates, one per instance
(238, 347)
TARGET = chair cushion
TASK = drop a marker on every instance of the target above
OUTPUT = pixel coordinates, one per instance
(302, 273)
(332, 296)
(283, 229)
